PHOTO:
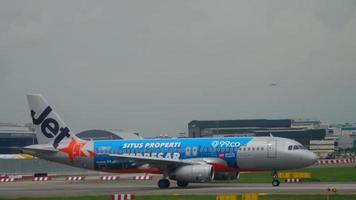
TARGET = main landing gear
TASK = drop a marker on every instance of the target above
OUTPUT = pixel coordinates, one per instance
(163, 183)
(275, 181)
(182, 184)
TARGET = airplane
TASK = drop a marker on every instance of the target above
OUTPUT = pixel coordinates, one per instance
(184, 160)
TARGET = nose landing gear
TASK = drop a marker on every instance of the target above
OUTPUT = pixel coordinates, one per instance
(275, 181)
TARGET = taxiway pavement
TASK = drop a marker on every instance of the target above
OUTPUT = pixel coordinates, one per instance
(98, 187)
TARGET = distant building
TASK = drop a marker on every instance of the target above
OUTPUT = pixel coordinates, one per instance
(19, 135)
(323, 148)
(182, 135)
(305, 124)
(302, 131)
(346, 136)
(15, 135)
(97, 134)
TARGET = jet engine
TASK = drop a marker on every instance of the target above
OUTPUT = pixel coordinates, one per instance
(226, 175)
(193, 173)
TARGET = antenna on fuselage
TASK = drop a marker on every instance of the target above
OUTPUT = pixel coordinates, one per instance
(270, 134)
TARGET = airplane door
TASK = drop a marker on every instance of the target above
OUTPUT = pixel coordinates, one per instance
(272, 148)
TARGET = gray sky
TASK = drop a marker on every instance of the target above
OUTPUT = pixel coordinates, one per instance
(153, 66)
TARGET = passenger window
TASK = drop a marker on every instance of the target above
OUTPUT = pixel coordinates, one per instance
(258, 148)
(261, 148)
(290, 147)
(253, 148)
(248, 149)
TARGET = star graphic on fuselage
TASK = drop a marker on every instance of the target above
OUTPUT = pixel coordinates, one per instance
(74, 149)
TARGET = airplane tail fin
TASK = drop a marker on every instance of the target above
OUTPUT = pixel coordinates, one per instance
(49, 127)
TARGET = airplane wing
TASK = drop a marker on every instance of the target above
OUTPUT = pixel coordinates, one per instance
(155, 161)
(16, 156)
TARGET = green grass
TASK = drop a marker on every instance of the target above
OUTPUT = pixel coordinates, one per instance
(344, 174)
(201, 197)
(339, 174)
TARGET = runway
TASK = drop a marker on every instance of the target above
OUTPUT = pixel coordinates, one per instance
(96, 187)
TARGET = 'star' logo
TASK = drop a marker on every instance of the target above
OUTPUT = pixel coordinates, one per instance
(74, 149)
(50, 127)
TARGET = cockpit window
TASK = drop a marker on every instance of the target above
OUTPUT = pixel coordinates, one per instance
(290, 147)
(295, 147)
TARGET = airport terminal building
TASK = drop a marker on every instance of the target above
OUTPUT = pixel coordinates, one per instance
(19, 135)
(302, 131)
(15, 135)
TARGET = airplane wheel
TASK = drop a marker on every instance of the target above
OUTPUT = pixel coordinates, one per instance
(182, 184)
(163, 183)
(275, 183)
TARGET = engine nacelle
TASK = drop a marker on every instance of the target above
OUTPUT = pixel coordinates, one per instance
(193, 173)
(226, 175)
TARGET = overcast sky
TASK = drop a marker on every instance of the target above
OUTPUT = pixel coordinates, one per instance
(153, 66)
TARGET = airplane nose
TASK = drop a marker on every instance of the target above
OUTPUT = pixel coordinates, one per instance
(314, 157)
(311, 158)
(307, 158)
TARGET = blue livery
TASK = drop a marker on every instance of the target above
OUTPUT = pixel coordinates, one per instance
(180, 149)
